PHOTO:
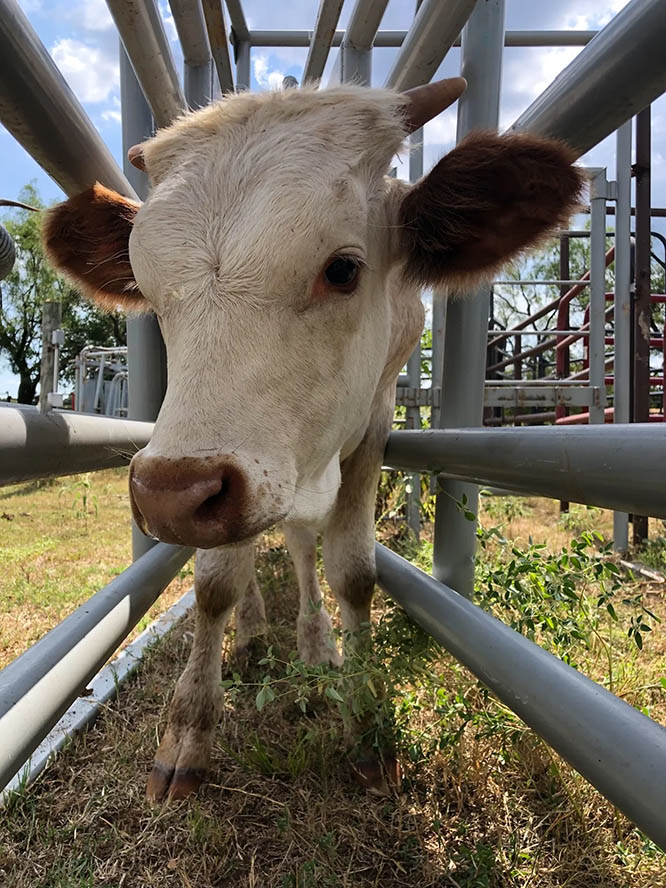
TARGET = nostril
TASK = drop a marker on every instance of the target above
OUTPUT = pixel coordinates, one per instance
(212, 507)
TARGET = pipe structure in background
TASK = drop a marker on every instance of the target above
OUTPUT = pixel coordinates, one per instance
(386, 38)
(356, 48)
(198, 64)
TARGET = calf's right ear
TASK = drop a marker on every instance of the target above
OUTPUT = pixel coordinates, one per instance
(87, 239)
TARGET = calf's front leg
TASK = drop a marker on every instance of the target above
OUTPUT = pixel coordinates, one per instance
(222, 577)
(349, 561)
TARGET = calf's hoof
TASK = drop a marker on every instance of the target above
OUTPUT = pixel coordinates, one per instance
(171, 783)
(380, 775)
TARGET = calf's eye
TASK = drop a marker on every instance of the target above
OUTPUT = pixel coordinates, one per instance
(342, 273)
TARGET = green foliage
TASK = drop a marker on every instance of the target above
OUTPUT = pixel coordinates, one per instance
(85, 501)
(33, 282)
(575, 603)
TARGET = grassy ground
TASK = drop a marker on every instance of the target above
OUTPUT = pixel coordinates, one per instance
(60, 541)
(484, 803)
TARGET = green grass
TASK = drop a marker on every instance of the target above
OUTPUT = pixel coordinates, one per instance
(484, 803)
(60, 541)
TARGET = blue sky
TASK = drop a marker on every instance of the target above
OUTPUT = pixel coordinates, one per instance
(81, 37)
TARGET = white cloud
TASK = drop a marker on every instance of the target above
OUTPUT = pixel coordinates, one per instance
(588, 15)
(169, 24)
(94, 15)
(268, 79)
(92, 75)
(533, 70)
(111, 115)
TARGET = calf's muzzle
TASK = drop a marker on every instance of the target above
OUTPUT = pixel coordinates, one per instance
(195, 501)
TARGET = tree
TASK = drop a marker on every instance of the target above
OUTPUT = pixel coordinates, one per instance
(33, 282)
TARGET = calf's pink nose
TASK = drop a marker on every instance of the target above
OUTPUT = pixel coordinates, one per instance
(192, 501)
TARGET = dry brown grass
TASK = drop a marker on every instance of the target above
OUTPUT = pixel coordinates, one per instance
(281, 810)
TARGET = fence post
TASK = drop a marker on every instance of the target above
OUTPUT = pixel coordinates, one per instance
(51, 319)
(146, 355)
(642, 305)
(622, 306)
(466, 332)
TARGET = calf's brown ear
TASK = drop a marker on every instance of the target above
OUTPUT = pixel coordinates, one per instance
(87, 238)
(484, 202)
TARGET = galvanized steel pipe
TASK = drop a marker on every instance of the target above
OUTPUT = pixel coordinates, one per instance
(42, 113)
(614, 746)
(39, 686)
(433, 33)
(142, 32)
(321, 39)
(618, 74)
(619, 467)
(44, 445)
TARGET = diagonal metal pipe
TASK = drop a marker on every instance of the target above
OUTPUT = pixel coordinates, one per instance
(322, 37)
(614, 746)
(433, 32)
(42, 113)
(140, 27)
(217, 35)
(614, 77)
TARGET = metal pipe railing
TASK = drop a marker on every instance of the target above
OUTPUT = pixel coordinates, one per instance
(217, 35)
(140, 27)
(238, 23)
(39, 686)
(197, 75)
(598, 466)
(618, 74)
(321, 39)
(386, 38)
(465, 340)
(43, 445)
(356, 48)
(43, 114)
(434, 31)
(614, 746)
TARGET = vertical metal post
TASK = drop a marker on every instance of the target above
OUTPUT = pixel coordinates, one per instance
(596, 351)
(413, 414)
(642, 312)
(439, 304)
(563, 356)
(198, 83)
(622, 305)
(146, 355)
(242, 65)
(466, 336)
(355, 64)
(51, 319)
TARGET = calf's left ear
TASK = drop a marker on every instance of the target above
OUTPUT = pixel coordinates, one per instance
(487, 200)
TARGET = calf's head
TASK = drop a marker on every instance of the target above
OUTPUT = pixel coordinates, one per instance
(274, 250)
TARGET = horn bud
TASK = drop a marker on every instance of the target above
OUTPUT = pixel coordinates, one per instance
(429, 100)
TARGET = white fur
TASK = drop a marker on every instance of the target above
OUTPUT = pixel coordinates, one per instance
(251, 198)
